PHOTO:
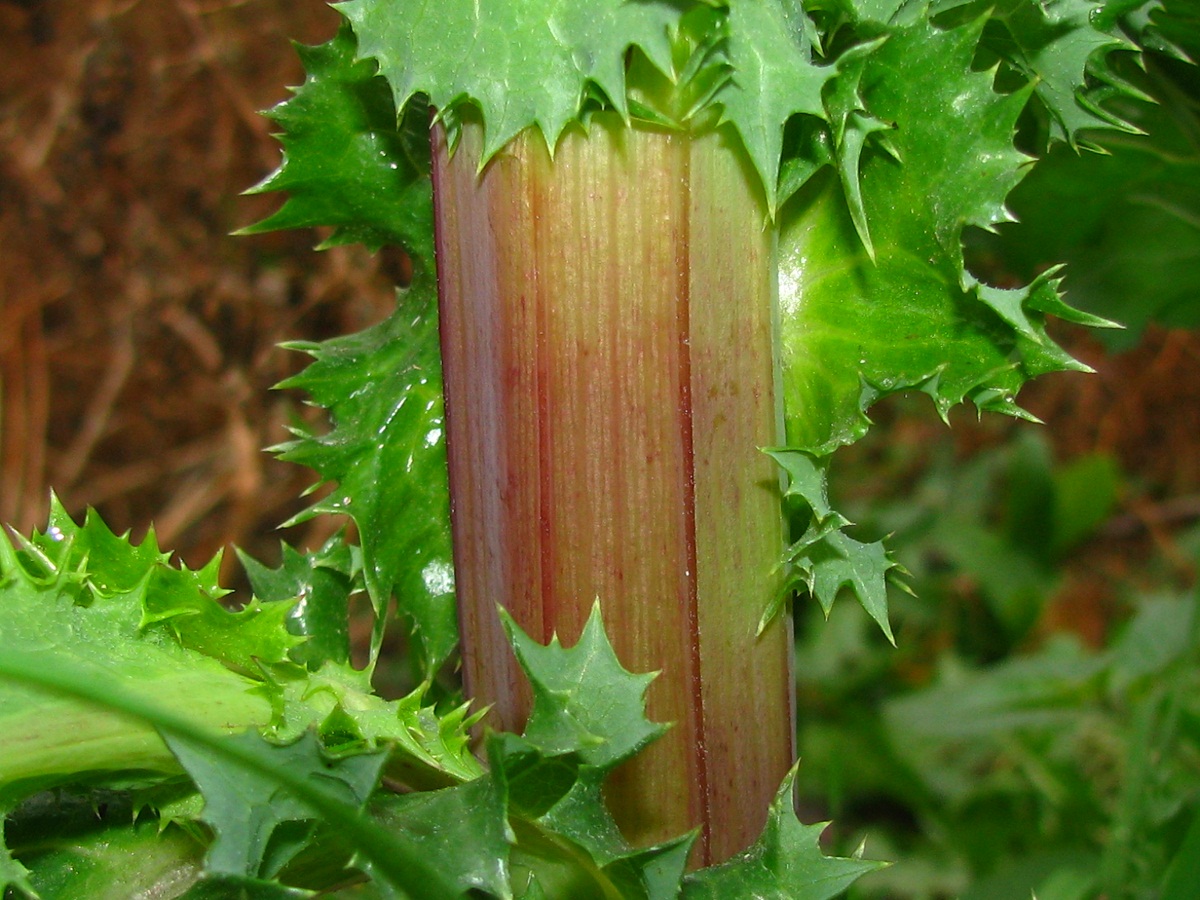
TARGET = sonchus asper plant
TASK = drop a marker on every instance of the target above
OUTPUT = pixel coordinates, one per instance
(650, 240)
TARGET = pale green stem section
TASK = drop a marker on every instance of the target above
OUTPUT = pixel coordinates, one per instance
(609, 357)
(395, 855)
(54, 738)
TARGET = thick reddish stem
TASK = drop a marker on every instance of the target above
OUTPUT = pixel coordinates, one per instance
(608, 345)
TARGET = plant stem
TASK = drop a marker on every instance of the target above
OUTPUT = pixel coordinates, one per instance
(608, 340)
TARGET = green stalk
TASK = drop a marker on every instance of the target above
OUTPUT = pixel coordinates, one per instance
(60, 738)
(608, 339)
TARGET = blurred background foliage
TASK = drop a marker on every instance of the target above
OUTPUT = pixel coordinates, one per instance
(1038, 728)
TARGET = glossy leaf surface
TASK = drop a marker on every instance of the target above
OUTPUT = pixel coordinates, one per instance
(386, 455)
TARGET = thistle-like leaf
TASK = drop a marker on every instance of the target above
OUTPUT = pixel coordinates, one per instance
(347, 163)
(785, 863)
(245, 808)
(773, 78)
(824, 559)
(1058, 48)
(96, 564)
(320, 584)
(1132, 249)
(74, 598)
(13, 875)
(462, 830)
(428, 749)
(386, 454)
(855, 330)
(1176, 27)
(834, 560)
(584, 701)
(521, 64)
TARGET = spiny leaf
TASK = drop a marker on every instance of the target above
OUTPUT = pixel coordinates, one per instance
(320, 584)
(245, 808)
(653, 873)
(824, 559)
(773, 78)
(427, 749)
(562, 795)
(184, 602)
(74, 598)
(387, 455)
(834, 561)
(808, 480)
(785, 863)
(13, 875)
(584, 701)
(564, 798)
(393, 855)
(1133, 248)
(1177, 22)
(347, 163)
(461, 830)
(522, 64)
(1057, 46)
(854, 330)
(98, 564)
(850, 126)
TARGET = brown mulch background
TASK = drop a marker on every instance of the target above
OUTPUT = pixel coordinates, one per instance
(137, 338)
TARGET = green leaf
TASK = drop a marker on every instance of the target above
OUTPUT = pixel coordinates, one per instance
(1178, 23)
(13, 875)
(347, 163)
(836, 561)
(98, 565)
(854, 330)
(1057, 46)
(230, 887)
(785, 863)
(79, 852)
(320, 584)
(392, 854)
(534, 782)
(386, 453)
(427, 749)
(245, 808)
(75, 598)
(808, 480)
(461, 830)
(563, 798)
(522, 64)
(773, 79)
(851, 126)
(1132, 249)
(584, 701)
(651, 874)
(824, 559)
(184, 602)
